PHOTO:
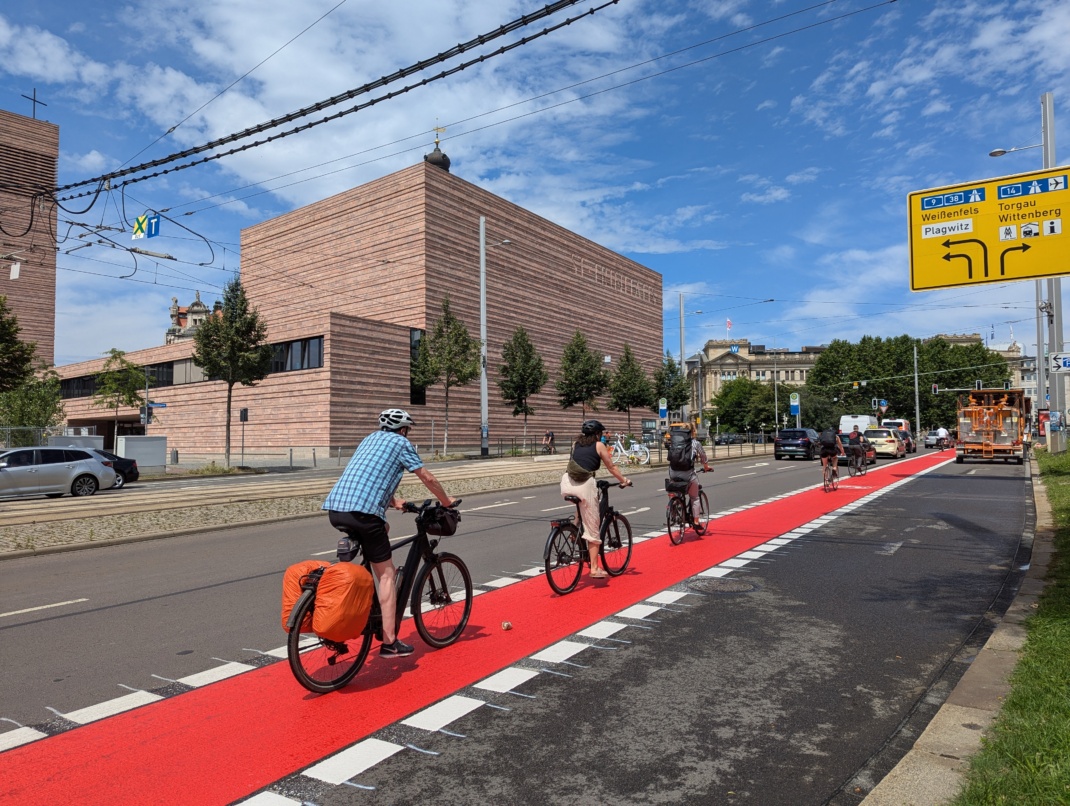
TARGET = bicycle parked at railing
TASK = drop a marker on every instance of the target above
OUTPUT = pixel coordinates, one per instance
(439, 595)
(679, 513)
(566, 550)
(635, 453)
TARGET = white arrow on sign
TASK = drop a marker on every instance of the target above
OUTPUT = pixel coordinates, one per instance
(1060, 362)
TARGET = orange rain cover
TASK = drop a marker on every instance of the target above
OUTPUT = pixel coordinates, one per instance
(291, 588)
(343, 602)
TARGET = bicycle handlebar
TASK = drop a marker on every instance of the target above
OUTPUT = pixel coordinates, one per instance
(428, 503)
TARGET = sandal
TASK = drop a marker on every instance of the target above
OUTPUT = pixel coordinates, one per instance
(598, 573)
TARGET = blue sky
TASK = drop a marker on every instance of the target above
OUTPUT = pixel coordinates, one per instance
(744, 157)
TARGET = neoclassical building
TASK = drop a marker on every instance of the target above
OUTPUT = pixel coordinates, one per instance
(348, 285)
(723, 360)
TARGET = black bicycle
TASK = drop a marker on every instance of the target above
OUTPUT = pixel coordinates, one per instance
(678, 512)
(439, 596)
(566, 550)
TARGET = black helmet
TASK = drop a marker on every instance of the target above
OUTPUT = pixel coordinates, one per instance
(591, 427)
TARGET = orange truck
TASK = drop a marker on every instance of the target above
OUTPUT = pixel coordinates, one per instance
(992, 425)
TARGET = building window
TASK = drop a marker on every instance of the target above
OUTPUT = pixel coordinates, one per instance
(300, 354)
(162, 374)
(417, 394)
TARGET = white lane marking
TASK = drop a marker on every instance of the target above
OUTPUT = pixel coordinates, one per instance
(741, 475)
(603, 629)
(42, 607)
(638, 611)
(270, 799)
(562, 650)
(759, 464)
(716, 571)
(888, 549)
(529, 497)
(490, 506)
(442, 713)
(84, 716)
(218, 673)
(501, 582)
(636, 511)
(352, 761)
(321, 553)
(19, 736)
(667, 597)
(554, 509)
(971, 472)
(506, 680)
(532, 572)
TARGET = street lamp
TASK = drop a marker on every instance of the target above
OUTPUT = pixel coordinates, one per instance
(1055, 290)
(484, 403)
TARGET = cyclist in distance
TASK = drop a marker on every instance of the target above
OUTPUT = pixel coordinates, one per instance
(942, 437)
(588, 454)
(854, 443)
(682, 468)
(548, 441)
(357, 505)
(831, 448)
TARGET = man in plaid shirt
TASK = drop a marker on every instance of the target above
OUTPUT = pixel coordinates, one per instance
(357, 506)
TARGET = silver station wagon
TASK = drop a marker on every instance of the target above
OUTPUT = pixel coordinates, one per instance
(53, 472)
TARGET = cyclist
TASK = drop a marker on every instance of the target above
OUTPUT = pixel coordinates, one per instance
(357, 506)
(588, 454)
(854, 444)
(831, 448)
(548, 441)
(942, 436)
(682, 456)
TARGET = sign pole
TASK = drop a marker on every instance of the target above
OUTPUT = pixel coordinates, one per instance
(1057, 441)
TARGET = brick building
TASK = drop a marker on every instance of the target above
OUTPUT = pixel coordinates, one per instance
(347, 285)
(29, 150)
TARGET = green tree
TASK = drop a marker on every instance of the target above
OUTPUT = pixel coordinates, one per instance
(35, 403)
(522, 375)
(738, 404)
(446, 355)
(119, 383)
(232, 347)
(629, 387)
(670, 382)
(582, 377)
(16, 357)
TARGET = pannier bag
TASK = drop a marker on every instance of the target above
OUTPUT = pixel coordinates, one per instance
(291, 588)
(343, 602)
(442, 521)
(676, 486)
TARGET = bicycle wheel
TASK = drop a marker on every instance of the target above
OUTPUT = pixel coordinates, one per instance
(643, 454)
(863, 465)
(616, 549)
(564, 559)
(318, 664)
(442, 600)
(704, 514)
(826, 477)
(675, 519)
(852, 466)
(834, 478)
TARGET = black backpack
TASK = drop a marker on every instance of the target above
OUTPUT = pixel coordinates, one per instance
(828, 437)
(680, 451)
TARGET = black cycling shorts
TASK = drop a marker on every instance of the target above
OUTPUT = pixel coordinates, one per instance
(829, 450)
(368, 530)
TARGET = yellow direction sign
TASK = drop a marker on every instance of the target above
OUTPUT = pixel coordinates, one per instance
(993, 231)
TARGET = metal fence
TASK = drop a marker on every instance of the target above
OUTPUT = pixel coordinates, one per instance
(21, 437)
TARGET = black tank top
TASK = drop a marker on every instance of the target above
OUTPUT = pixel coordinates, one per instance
(586, 456)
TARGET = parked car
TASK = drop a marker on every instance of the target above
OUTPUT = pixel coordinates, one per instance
(869, 452)
(908, 441)
(53, 472)
(887, 442)
(125, 469)
(931, 438)
(792, 442)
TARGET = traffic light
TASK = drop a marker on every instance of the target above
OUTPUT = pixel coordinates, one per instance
(1006, 384)
(936, 389)
(978, 385)
(144, 415)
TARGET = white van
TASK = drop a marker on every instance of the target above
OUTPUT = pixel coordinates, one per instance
(902, 425)
(863, 421)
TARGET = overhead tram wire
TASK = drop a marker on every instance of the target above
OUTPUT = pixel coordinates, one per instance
(405, 72)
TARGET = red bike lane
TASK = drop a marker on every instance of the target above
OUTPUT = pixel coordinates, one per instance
(228, 740)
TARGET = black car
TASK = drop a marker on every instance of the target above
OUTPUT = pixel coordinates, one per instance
(125, 469)
(796, 442)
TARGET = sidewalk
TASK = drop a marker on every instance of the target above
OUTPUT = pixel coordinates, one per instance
(932, 772)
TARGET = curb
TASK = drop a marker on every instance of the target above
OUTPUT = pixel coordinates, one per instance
(933, 770)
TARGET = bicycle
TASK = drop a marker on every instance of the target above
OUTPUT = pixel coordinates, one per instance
(678, 513)
(831, 476)
(634, 453)
(566, 550)
(549, 447)
(439, 597)
(856, 464)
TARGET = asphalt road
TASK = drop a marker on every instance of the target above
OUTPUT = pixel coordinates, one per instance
(801, 682)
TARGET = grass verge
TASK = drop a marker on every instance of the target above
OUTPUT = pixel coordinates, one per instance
(1025, 760)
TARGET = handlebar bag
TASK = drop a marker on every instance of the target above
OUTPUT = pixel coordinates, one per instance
(291, 588)
(443, 522)
(676, 486)
(343, 602)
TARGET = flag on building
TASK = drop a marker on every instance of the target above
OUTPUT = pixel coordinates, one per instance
(728, 324)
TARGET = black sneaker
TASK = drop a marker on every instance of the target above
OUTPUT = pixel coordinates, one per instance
(397, 649)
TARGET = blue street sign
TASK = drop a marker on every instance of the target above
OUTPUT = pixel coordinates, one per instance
(734, 348)
(1032, 187)
(153, 405)
(794, 408)
(969, 196)
(153, 228)
(884, 402)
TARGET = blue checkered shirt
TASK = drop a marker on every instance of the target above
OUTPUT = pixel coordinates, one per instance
(373, 474)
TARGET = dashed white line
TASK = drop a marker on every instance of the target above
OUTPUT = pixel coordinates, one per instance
(42, 607)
